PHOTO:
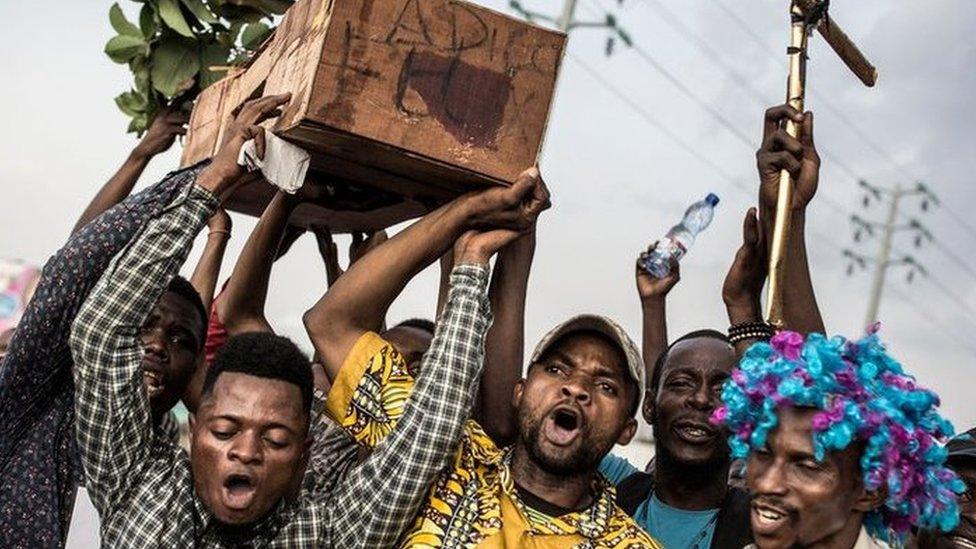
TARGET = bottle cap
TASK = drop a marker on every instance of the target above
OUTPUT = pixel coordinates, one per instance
(712, 199)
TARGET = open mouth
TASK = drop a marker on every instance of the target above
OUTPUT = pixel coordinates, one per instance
(154, 382)
(239, 491)
(563, 425)
(694, 432)
(767, 519)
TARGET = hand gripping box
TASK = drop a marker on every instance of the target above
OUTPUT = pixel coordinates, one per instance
(403, 104)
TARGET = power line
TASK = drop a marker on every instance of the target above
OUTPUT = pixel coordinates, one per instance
(954, 257)
(853, 126)
(728, 125)
(738, 184)
(650, 119)
(662, 127)
(936, 321)
(944, 289)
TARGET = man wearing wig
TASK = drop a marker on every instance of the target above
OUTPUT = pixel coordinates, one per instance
(843, 449)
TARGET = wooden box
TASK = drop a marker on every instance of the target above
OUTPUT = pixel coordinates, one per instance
(403, 104)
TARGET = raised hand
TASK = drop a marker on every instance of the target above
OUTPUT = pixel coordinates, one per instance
(650, 288)
(170, 122)
(743, 285)
(515, 207)
(500, 215)
(780, 152)
(224, 171)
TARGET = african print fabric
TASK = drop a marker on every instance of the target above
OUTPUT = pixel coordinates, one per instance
(473, 502)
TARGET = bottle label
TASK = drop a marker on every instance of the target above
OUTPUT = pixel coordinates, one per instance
(678, 251)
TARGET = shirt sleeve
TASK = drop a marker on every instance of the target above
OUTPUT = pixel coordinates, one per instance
(332, 451)
(112, 417)
(38, 360)
(378, 500)
(616, 468)
(368, 397)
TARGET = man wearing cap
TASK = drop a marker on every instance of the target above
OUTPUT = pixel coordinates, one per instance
(962, 460)
(578, 399)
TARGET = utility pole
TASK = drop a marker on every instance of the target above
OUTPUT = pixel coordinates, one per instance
(566, 21)
(569, 13)
(884, 255)
(883, 260)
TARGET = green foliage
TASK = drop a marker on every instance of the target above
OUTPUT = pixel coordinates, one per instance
(179, 47)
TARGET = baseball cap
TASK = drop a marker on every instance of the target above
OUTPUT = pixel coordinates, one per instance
(601, 325)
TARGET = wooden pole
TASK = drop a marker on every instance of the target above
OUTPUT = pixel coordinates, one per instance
(796, 88)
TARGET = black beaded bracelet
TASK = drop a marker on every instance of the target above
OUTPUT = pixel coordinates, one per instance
(750, 330)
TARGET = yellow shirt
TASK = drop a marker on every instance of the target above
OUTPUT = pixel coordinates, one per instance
(474, 502)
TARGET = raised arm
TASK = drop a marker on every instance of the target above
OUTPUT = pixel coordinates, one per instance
(505, 342)
(113, 419)
(38, 356)
(360, 298)
(653, 294)
(374, 507)
(207, 271)
(780, 151)
(160, 137)
(241, 304)
(742, 290)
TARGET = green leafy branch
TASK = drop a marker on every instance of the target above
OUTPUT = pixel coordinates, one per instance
(179, 47)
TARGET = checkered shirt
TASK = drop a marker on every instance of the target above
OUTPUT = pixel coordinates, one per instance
(141, 483)
(414, 430)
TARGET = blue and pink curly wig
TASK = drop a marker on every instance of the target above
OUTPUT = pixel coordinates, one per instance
(863, 395)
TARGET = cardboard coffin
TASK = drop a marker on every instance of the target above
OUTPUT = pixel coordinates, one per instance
(403, 104)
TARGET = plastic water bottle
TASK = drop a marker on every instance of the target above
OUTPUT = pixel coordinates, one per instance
(676, 243)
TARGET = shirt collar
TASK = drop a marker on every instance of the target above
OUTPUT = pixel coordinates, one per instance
(591, 523)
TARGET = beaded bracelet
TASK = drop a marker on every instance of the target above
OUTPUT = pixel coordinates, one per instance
(750, 330)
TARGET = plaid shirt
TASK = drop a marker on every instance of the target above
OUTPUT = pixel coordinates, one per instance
(141, 483)
(368, 400)
(39, 464)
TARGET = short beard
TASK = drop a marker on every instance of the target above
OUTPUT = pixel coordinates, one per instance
(583, 461)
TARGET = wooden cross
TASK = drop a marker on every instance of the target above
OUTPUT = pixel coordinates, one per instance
(805, 16)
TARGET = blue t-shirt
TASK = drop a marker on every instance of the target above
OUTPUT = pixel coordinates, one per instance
(674, 528)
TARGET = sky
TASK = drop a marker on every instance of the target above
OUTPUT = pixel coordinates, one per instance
(616, 161)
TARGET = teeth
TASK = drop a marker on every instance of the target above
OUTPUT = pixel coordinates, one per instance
(151, 378)
(769, 516)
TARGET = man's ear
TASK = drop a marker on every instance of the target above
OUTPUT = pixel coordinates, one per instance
(517, 393)
(628, 432)
(648, 408)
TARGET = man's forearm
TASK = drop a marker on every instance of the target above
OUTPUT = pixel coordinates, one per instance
(205, 275)
(654, 332)
(504, 347)
(241, 305)
(800, 309)
(358, 301)
(40, 350)
(113, 420)
(115, 189)
(379, 499)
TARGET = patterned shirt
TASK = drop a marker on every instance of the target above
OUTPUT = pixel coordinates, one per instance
(141, 483)
(39, 466)
(473, 502)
